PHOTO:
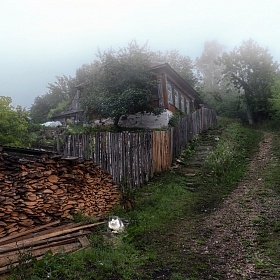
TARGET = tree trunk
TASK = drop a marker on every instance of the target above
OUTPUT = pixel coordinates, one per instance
(250, 115)
(116, 121)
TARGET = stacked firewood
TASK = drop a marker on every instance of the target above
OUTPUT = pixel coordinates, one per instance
(39, 191)
(36, 242)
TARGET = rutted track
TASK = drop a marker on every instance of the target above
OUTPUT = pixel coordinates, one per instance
(231, 232)
(224, 243)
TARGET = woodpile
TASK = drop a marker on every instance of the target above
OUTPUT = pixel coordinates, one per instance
(39, 191)
(38, 241)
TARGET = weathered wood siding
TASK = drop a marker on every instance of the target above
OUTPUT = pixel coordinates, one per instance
(133, 158)
(162, 152)
(126, 156)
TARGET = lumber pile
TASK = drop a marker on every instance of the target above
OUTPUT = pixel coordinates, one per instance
(39, 191)
(38, 241)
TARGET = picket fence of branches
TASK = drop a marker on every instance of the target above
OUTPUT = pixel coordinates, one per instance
(132, 158)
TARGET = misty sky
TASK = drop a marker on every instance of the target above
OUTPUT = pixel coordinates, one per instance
(41, 39)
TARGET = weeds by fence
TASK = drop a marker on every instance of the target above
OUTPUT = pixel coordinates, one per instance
(133, 157)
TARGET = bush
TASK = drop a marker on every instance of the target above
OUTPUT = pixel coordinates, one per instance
(235, 145)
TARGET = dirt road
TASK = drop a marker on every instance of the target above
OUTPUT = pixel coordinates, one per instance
(231, 232)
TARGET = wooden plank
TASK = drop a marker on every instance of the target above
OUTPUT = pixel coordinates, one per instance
(17, 235)
(47, 241)
(84, 241)
(56, 249)
(11, 257)
(53, 229)
(30, 241)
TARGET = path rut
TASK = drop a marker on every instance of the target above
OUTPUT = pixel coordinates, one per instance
(230, 232)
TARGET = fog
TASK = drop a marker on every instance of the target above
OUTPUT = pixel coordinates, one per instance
(43, 39)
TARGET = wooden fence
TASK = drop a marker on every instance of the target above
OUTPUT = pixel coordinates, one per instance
(133, 158)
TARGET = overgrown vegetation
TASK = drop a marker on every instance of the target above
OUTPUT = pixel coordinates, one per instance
(230, 153)
(160, 206)
(14, 124)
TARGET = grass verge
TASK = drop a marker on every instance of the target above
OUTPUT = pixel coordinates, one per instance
(269, 227)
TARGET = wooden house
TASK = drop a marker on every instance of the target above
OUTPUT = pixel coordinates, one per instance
(74, 114)
(172, 94)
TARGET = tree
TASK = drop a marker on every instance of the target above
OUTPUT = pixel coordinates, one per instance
(56, 100)
(252, 71)
(118, 83)
(216, 91)
(210, 71)
(13, 124)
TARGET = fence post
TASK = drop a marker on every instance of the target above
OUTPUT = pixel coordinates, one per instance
(202, 107)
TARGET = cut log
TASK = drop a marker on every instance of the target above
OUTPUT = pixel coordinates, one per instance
(53, 178)
(31, 196)
(40, 191)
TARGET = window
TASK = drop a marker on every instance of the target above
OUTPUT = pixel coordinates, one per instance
(169, 93)
(160, 96)
(182, 103)
(187, 106)
(176, 95)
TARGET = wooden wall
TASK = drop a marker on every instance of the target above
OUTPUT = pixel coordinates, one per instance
(133, 158)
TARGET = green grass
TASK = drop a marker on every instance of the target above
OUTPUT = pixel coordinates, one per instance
(154, 223)
(269, 231)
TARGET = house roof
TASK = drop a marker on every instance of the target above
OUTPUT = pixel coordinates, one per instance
(74, 107)
(165, 67)
(67, 113)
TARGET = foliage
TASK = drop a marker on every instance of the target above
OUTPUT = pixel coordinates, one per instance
(118, 83)
(80, 129)
(14, 124)
(272, 175)
(210, 72)
(56, 100)
(207, 63)
(274, 101)
(190, 149)
(232, 150)
(252, 71)
(176, 118)
(51, 266)
(217, 92)
(61, 106)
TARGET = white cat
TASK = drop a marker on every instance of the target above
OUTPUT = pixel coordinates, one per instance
(115, 224)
